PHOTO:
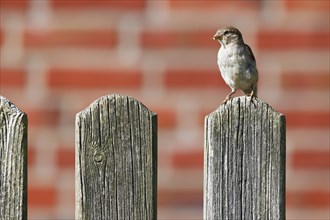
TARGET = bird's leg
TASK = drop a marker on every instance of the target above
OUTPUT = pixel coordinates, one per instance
(228, 97)
(251, 95)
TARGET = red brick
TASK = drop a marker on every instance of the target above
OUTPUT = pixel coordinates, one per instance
(186, 39)
(65, 158)
(12, 78)
(109, 4)
(311, 159)
(305, 80)
(211, 4)
(307, 119)
(43, 117)
(166, 118)
(188, 159)
(42, 197)
(1, 38)
(31, 155)
(70, 38)
(279, 40)
(307, 5)
(193, 79)
(92, 78)
(15, 4)
(181, 197)
(308, 199)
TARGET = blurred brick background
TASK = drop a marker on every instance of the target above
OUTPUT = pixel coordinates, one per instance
(57, 56)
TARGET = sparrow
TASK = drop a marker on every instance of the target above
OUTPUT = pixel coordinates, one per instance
(236, 62)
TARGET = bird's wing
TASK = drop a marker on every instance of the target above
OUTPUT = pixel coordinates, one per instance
(249, 51)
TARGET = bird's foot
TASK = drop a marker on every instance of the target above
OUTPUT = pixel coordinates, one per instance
(228, 97)
(251, 96)
(226, 100)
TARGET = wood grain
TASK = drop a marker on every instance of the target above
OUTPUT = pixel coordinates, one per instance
(244, 162)
(116, 160)
(13, 161)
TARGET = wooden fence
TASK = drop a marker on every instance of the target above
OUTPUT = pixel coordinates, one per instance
(116, 161)
(244, 162)
(13, 161)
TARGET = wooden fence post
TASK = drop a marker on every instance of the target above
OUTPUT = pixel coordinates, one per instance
(116, 160)
(244, 162)
(13, 161)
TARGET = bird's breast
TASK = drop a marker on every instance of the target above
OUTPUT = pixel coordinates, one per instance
(233, 57)
(236, 66)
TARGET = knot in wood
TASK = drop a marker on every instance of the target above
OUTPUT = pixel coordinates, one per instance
(98, 157)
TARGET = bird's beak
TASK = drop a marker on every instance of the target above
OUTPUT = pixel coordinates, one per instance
(217, 36)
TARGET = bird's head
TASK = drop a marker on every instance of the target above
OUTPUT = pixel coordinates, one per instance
(228, 35)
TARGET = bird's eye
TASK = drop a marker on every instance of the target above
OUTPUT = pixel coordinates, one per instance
(225, 33)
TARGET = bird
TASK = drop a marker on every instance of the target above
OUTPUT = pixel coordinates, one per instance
(236, 62)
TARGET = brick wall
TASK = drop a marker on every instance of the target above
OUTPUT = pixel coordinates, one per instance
(57, 56)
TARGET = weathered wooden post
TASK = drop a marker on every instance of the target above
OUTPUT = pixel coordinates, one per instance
(13, 161)
(244, 162)
(116, 160)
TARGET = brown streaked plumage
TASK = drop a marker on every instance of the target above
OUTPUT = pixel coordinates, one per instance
(236, 62)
